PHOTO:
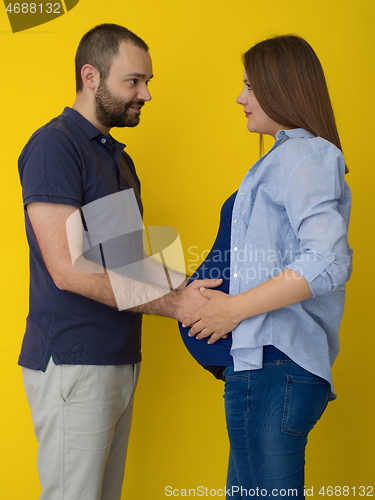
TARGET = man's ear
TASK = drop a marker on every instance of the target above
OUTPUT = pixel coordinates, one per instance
(90, 76)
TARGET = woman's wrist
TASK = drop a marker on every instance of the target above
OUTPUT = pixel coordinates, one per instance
(239, 307)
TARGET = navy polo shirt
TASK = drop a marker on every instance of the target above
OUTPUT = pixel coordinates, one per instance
(68, 161)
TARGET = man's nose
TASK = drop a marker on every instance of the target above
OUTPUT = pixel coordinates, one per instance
(144, 94)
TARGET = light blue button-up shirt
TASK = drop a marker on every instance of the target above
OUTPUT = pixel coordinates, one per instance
(292, 211)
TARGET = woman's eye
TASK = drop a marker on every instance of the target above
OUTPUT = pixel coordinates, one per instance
(248, 86)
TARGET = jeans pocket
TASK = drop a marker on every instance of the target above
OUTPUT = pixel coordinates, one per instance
(305, 401)
(71, 378)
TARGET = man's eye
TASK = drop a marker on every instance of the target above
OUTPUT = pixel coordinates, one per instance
(133, 81)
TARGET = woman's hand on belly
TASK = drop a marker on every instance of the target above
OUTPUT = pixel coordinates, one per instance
(214, 320)
(224, 312)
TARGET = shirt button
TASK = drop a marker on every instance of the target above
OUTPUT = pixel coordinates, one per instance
(235, 249)
(235, 220)
(235, 275)
(241, 194)
(103, 141)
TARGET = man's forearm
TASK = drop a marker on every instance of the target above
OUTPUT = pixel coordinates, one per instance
(119, 291)
(70, 271)
(168, 305)
(125, 293)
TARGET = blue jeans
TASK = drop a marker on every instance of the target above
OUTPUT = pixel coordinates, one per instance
(269, 414)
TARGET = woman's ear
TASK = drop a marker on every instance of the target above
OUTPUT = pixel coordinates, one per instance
(90, 76)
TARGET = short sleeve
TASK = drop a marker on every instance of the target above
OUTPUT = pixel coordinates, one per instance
(50, 169)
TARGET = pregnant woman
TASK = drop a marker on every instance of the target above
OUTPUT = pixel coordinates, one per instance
(271, 330)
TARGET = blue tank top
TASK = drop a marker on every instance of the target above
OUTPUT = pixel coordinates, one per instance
(217, 265)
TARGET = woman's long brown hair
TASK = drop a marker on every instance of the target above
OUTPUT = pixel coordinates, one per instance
(289, 83)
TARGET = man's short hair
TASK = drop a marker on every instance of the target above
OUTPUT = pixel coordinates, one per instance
(100, 45)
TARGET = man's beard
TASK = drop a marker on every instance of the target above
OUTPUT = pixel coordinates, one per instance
(112, 111)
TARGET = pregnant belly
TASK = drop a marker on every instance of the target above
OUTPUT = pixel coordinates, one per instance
(217, 354)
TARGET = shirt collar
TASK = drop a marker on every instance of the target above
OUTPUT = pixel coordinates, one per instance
(88, 128)
(294, 133)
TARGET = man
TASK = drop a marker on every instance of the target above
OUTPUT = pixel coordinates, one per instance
(80, 354)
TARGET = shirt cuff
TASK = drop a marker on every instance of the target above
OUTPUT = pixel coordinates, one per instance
(60, 200)
(312, 267)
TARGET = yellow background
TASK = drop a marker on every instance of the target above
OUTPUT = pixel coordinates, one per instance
(191, 151)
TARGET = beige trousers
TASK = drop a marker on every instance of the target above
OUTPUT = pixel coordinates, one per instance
(82, 416)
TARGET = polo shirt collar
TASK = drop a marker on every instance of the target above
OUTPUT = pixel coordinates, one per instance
(88, 128)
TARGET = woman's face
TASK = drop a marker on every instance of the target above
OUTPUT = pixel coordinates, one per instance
(257, 120)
